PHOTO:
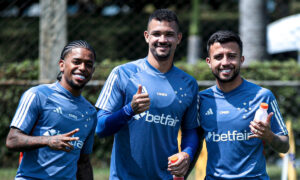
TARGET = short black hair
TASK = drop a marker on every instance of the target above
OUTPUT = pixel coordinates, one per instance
(164, 15)
(73, 45)
(224, 36)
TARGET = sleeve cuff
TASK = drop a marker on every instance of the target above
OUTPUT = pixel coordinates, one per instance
(128, 110)
(189, 151)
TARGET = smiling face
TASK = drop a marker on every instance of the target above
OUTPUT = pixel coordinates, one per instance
(225, 61)
(163, 38)
(77, 69)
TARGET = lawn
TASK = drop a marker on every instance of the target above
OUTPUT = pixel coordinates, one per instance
(103, 173)
(9, 174)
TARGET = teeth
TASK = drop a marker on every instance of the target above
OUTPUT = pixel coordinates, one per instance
(226, 70)
(80, 76)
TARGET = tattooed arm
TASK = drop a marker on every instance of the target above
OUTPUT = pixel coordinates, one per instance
(17, 140)
(262, 130)
(279, 143)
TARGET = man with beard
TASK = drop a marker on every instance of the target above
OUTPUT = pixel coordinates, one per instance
(145, 102)
(54, 125)
(233, 137)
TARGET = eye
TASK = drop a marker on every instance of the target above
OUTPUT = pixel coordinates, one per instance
(232, 56)
(170, 34)
(218, 57)
(156, 34)
(76, 62)
(89, 65)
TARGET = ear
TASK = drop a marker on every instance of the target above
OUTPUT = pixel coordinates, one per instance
(146, 35)
(208, 62)
(61, 64)
(242, 59)
(93, 70)
(179, 37)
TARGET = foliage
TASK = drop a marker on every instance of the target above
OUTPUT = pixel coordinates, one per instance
(26, 70)
(288, 97)
(268, 70)
(110, 36)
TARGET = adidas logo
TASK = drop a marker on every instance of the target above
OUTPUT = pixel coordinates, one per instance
(209, 112)
(58, 110)
(144, 90)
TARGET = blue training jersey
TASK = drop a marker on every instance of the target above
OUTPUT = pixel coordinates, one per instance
(225, 118)
(142, 147)
(48, 110)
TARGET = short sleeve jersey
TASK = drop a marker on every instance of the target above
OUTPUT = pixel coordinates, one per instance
(142, 147)
(48, 110)
(225, 118)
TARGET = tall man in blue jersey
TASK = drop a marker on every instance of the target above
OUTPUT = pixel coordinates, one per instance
(145, 102)
(54, 125)
(233, 137)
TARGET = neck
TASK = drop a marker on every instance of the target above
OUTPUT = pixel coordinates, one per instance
(163, 66)
(229, 86)
(74, 92)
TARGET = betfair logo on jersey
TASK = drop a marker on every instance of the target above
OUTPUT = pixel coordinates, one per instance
(163, 119)
(76, 144)
(229, 136)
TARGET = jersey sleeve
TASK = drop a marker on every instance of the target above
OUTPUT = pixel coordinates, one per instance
(277, 124)
(191, 118)
(27, 112)
(111, 98)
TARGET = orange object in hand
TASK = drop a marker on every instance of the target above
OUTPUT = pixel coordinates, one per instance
(174, 159)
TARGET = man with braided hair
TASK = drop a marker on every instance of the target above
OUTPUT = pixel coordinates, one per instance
(54, 125)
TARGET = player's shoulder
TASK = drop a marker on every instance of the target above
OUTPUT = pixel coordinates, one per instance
(129, 68)
(132, 66)
(43, 89)
(255, 88)
(208, 91)
(184, 76)
(88, 104)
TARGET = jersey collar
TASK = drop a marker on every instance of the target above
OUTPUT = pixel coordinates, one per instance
(156, 71)
(65, 91)
(219, 91)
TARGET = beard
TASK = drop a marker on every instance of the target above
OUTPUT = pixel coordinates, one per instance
(75, 86)
(230, 79)
(160, 57)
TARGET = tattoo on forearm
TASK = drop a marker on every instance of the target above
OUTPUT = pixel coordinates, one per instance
(278, 144)
(23, 142)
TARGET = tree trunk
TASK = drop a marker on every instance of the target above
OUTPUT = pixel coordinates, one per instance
(194, 40)
(252, 29)
(53, 32)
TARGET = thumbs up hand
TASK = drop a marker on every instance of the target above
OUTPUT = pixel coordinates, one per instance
(140, 101)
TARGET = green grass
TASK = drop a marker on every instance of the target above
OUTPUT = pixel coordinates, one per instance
(9, 173)
(275, 172)
(103, 173)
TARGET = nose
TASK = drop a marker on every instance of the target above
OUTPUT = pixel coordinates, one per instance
(82, 66)
(162, 38)
(225, 60)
